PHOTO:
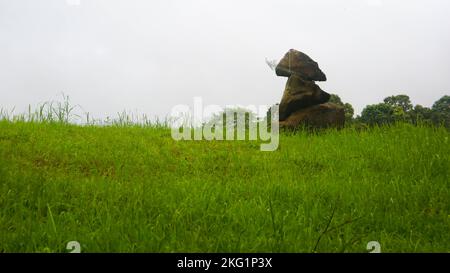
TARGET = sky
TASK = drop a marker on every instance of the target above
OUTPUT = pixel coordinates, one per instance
(148, 56)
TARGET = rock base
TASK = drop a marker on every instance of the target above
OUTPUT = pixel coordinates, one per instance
(324, 115)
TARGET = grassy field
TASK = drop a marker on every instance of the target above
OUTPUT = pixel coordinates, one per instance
(134, 189)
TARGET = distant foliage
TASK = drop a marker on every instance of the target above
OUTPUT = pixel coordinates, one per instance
(421, 114)
(378, 114)
(229, 117)
(399, 108)
(400, 101)
(441, 111)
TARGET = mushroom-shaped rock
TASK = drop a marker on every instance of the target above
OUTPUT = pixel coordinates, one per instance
(298, 63)
(300, 94)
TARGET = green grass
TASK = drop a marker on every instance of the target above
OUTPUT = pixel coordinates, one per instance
(134, 189)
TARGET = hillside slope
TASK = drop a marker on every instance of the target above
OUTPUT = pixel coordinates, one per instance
(132, 189)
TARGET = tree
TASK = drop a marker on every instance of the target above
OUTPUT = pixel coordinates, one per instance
(400, 108)
(349, 112)
(401, 101)
(335, 99)
(420, 114)
(233, 113)
(399, 114)
(381, 113)
(441, 111)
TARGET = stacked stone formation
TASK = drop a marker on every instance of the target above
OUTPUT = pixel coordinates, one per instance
(303, 102)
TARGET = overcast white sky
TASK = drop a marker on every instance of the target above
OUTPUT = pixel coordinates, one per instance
(148, 56)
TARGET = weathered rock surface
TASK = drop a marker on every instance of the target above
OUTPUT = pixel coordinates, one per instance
(300, 64)
(318, 116)
(300, 94)
(303, 102)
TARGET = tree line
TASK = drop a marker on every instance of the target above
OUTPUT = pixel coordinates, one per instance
(398, 108)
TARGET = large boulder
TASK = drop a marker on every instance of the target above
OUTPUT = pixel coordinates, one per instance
(300, 94)
(298, 63)
(317, 116)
